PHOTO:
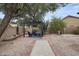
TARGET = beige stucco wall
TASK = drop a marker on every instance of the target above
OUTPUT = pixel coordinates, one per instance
(71, 24)
(10, 32)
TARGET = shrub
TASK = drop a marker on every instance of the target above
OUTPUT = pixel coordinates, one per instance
(76, 31)
(56, 25)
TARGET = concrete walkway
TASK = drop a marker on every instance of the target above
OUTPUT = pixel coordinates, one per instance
(42, 48)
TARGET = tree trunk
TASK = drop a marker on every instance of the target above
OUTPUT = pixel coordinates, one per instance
(10, 9)
(23, 30)
(17, 30)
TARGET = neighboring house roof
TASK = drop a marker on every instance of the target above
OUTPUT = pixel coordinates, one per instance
(71, 16)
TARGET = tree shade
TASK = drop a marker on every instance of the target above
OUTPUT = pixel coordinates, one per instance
(14, 10)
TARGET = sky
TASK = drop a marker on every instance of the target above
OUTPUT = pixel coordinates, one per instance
(70, 9)
(1, 15)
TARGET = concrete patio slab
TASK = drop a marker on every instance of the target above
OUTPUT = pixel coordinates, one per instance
(42, 48)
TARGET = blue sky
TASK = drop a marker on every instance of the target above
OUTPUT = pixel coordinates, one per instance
(1, 15)
(70, 9)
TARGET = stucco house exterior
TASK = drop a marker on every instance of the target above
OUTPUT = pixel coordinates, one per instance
(72, 23)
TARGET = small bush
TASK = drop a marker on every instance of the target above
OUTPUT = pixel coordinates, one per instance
(76, 31)
(56, 25)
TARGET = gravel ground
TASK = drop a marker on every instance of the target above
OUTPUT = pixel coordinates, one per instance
(19, 47)
(61, 45)
(64, 45)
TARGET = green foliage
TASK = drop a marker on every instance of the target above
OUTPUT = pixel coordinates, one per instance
(0, 21)
(76, 31)
(36, 11)
(46, 25)
(56, 25)
(20, 22)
